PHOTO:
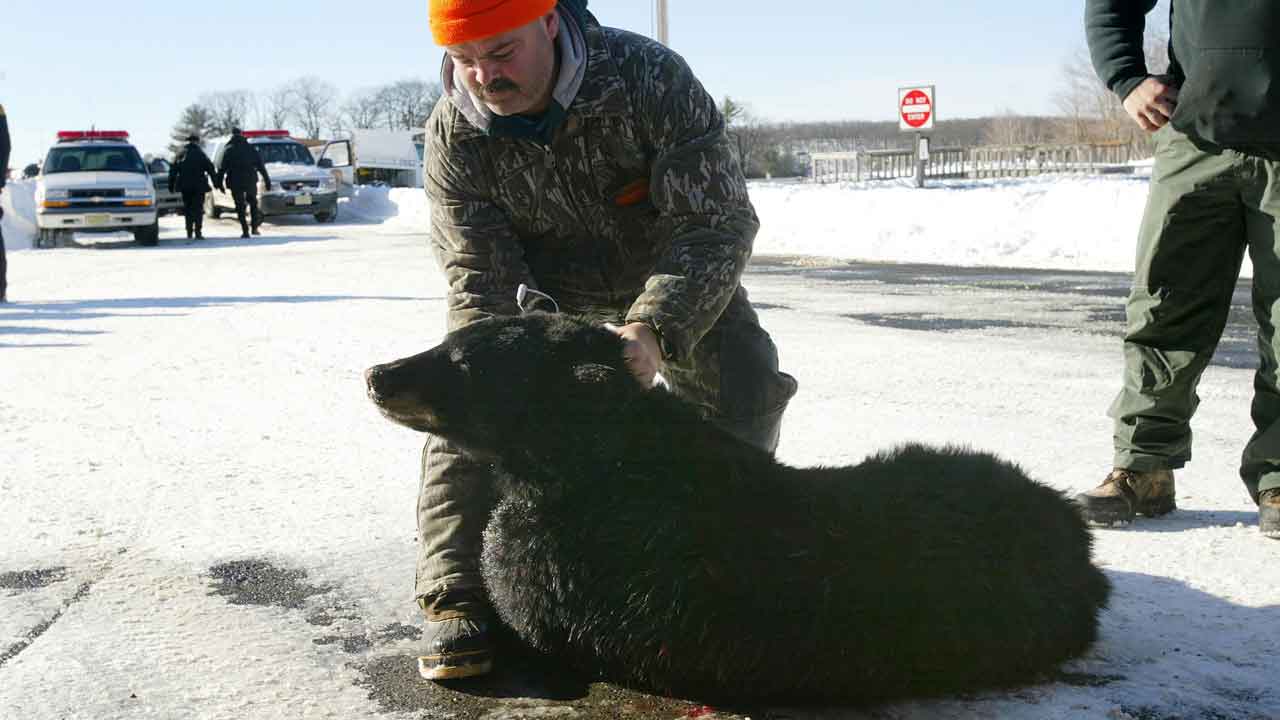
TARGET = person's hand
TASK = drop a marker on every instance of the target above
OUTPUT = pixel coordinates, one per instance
(640, 351)
(267, 185)
(1151, 104)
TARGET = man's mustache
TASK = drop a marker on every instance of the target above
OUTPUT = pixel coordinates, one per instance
(499, 85)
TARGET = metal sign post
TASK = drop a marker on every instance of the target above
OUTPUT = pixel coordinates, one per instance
(916, 113)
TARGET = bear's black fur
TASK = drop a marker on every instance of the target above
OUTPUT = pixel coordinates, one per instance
(637, 540)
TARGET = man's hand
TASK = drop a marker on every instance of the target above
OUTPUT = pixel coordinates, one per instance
(641, 351)
(1151, 104)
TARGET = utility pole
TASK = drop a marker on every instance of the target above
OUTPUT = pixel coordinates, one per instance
(660, 20)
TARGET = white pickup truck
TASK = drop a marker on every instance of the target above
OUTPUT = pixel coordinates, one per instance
(298, 186)
(94, 181)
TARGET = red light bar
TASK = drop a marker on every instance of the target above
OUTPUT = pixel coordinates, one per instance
(265, 133)
(93, 135)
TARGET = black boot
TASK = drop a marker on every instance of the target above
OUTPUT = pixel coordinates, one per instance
(244, 231)
(457, 635)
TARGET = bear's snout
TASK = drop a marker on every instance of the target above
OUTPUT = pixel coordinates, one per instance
(373, 379)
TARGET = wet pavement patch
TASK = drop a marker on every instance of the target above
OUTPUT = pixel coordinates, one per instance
(522, 684)
(258, 582)
(769, 306)
(935, 323)
(360, 643)
(32, 579)
(34, 633)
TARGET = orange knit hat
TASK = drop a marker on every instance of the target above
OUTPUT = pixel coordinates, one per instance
(459, 21)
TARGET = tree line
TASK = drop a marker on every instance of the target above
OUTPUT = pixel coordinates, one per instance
(308, 107)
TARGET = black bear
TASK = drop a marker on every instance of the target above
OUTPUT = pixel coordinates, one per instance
(638, 541)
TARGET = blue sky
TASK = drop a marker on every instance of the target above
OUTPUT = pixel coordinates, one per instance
(135, 65)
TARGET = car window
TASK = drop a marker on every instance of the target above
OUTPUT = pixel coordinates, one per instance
(288, 153)
(91, 159)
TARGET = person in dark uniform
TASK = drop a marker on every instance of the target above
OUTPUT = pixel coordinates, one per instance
(188, 174)
(4, 175)
(239, 170)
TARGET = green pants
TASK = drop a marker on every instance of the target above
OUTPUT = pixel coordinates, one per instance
(732, 374)
(1205, 207)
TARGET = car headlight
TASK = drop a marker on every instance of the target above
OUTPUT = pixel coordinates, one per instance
(139, 192)
(52, 199)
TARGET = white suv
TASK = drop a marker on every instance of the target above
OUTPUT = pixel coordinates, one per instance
(298, 185)
(92, 182)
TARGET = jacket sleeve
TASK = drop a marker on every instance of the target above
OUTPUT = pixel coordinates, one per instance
(175, 173)
(4, 147)
(210, 170)
(471, 237)
(1114, 32)
(262, 169)
(698, 187)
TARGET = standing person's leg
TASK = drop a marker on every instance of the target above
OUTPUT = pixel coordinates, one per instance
(4, 268)
(239, 196)
(188, 217)
(454, 502)
(1190, 247)
(197, 214)
(255, 214)
(733, 374)
(1260, 462)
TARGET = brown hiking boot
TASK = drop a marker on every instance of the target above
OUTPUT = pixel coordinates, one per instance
(1126, 493)
(457, 635)
(1269, 513)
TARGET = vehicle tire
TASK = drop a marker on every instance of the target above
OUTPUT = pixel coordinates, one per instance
(148, 236)
(211, 208)
(328, 216)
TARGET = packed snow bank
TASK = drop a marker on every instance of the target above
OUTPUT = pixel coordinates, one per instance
(19, 222)
(1077, 223)
(397, 210)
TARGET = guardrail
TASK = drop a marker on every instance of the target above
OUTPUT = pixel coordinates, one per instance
(986, 161)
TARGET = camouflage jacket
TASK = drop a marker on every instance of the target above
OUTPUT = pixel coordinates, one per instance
(636, 209)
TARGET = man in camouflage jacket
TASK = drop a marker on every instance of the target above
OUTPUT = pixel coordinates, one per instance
(589, 164)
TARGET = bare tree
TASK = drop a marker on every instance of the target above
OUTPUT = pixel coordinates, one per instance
(405, 105)
(363, 109)
(747, 132)
(314, 103)
(1010, 128)
(228, 109)
(276, 107)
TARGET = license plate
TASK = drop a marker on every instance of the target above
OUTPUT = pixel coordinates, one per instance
(99, 219)
(302, 200)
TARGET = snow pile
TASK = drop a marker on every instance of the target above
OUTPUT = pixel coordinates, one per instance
(19, 223)
(397, 210)
(1048, 222)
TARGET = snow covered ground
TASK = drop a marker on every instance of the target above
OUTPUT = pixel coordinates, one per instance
(182, 417)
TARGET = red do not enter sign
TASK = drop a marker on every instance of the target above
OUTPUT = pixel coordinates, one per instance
(916, 109)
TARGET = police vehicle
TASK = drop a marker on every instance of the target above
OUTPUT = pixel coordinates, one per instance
(94, 181)
(298, 185)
